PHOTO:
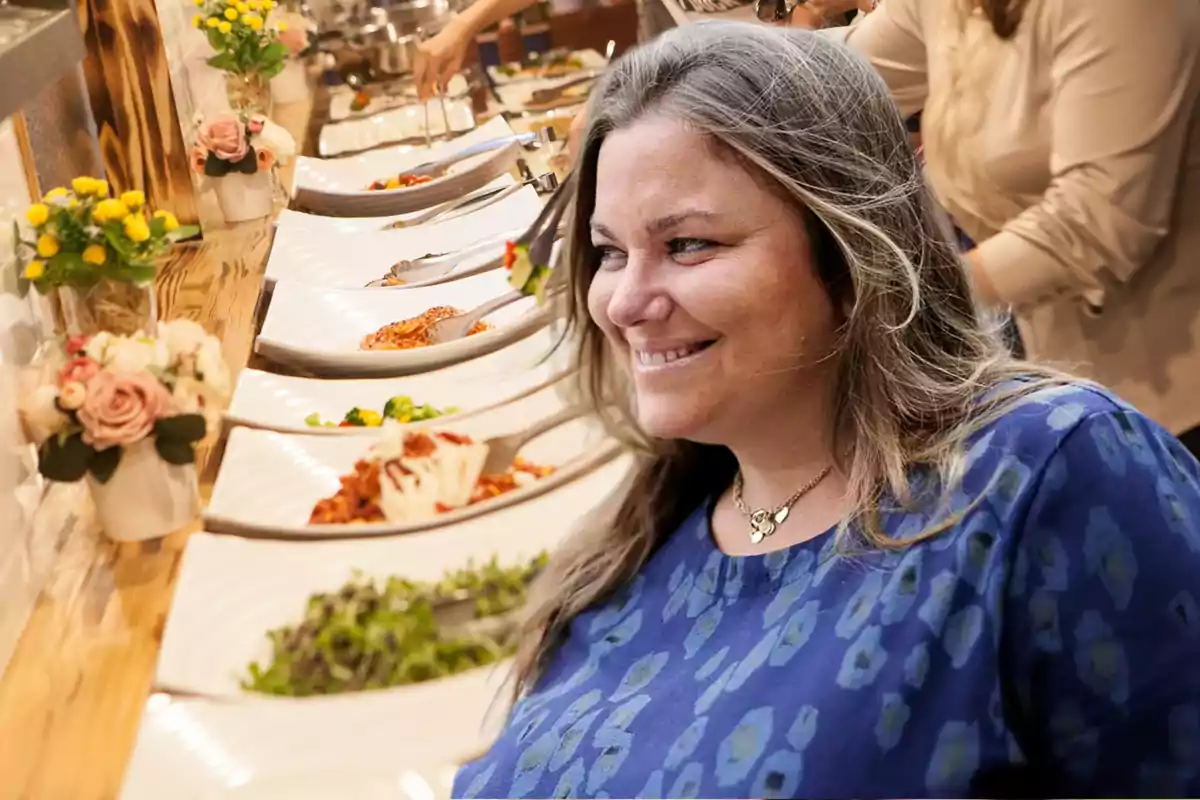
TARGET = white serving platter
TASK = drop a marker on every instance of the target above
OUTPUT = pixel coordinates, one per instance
(292, 218)
(396, 125)
(321, 329)
(588, 59)
(341, 98)
(338, 187)
(282, 402)
(204, 750)
(319, 256)
(232, 591)
(269, 481)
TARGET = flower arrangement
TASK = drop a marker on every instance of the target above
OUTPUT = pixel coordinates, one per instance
(108, 392)
(81, 236)
(230, 143)
(239, 33)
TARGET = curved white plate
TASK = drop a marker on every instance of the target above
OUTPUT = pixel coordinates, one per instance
(406, 123)
(231, 591)
(291, 218)
(281, 402)
(339, 187)
(589, 59)
(341, 98)
(269, 482)
(319, 256)
(321, 329)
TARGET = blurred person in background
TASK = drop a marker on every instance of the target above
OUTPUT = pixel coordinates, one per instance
(1062, 138)
(865, 552)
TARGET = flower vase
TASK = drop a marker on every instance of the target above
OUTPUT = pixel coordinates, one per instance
(245, 197)
(290, 85)
(249, 93)
(119, 308)
(146, 497)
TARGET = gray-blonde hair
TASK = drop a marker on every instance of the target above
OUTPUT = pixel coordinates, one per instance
(914, 358)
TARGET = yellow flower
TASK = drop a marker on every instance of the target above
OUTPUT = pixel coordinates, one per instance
(95, 254)
(37, 214)
(47, 246)
(242, 8)
(134, 198)
(224, 27)
(268, 4)
(83, 185)
(34, 270)
(281, 27)
(109, 210)
(254, 21)
(169, 221)
(196, 20)
(231, 14)
(212, 22)
(199, 2)
(136, 228)
(72, 203)
(54, 194)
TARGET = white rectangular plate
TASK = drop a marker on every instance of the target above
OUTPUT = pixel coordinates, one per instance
(269, 482)
(339, 187)
(406, 123)
(231, 591)
(321, 329)
(321, 257)
(589, 59)
(341, 98)
(281, 402)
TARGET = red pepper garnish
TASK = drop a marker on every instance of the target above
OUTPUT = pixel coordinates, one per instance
(510, 254)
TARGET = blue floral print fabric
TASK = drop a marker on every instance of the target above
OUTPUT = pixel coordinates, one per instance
(1046, 644)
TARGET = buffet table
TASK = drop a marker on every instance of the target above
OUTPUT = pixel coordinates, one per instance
(72, 697)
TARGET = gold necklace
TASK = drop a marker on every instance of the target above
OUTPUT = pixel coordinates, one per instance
(763, 522)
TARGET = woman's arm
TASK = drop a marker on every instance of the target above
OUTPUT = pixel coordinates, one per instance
(1124, 89)
(1101, 629)
(441, 57)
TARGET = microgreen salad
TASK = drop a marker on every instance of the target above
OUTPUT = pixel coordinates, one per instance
(400, 408)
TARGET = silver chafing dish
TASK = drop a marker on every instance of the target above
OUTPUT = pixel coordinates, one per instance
(381, 36)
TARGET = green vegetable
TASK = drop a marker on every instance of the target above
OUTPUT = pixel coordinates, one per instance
(313, 420)
(354, 417)
(374, 636)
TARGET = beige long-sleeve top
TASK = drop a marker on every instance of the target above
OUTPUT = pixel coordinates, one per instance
(1070, 153)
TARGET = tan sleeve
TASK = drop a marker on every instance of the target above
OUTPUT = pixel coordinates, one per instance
(1123, 93)
(891, 38)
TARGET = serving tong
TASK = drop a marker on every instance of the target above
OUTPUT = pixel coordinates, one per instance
(540, 241)
(476, 201)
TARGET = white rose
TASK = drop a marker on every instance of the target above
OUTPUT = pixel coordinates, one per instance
(71, 395)
(182, 337)
(186, 395)
(97, 346)
(211, 368)
(41, 414)
(135, 355)
(275, 138)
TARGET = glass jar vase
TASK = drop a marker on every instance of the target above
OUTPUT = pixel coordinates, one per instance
(249, 92)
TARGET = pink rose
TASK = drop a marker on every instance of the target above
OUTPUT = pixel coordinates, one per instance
(196, 158)
(256, 123)
(121, 408)
(295, 39)
(224, 137)
(80, 369)
(75, 344)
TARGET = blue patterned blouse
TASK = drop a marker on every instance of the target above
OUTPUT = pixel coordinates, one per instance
(1048, 645)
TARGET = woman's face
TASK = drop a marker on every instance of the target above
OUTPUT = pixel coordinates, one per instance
(706, 288)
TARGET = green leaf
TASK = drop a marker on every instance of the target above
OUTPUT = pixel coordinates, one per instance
(181, 428)
(224, 60)
(70, 269)
(184, 232)
(104, 464)
(114, 232)
(64, 459)
(175, 452)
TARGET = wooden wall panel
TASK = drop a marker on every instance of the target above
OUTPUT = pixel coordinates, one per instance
(129, 86)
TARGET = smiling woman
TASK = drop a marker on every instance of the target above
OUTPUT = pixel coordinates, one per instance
(868, 553)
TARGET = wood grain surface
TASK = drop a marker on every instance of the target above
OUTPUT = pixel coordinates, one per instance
(72, 696)
(129, 86)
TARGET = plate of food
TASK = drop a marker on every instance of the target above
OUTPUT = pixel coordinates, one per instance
(325, 256)
(377, 333)
(541, 95)
(403, 480)
(232, 593)
(396, 126)
(344, 187)
(346, 103)
(555, 64)
(346, 407)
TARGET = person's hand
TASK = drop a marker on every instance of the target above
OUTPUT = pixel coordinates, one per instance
(439, 59)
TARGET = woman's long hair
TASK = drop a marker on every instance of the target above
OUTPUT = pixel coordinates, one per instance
(1005, 15)
(914, 356)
